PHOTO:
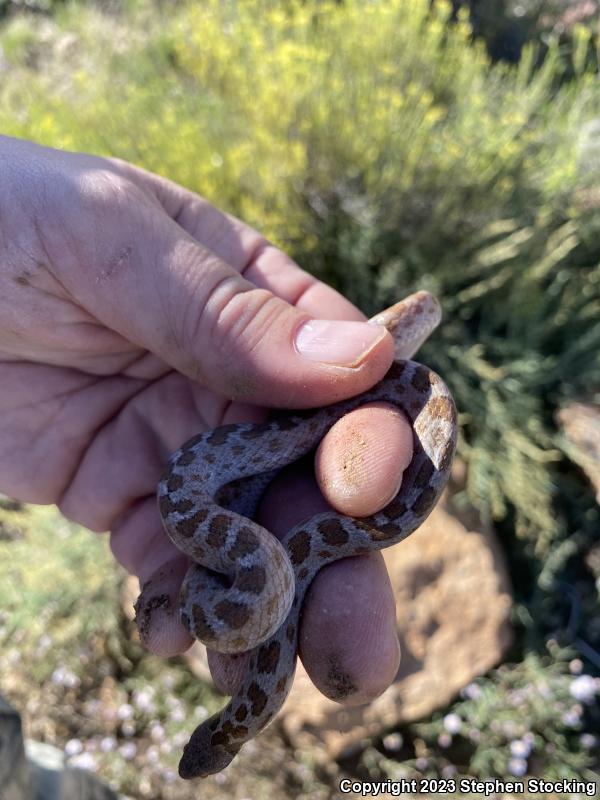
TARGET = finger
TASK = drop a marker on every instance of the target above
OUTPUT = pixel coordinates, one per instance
(360, 461)
(139, 544)
(348, 642)
(135, 442)
(158, 287)
(231, 240)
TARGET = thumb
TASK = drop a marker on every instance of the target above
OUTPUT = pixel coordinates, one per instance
(161, 289)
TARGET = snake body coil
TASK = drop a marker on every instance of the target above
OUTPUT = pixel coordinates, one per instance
(245, 589)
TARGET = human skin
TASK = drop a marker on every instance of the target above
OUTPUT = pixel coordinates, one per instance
(133, 315)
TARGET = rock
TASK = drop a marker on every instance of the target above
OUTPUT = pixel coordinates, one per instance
(15, 777)
(580, 425)
(36, 770)
(452, 603)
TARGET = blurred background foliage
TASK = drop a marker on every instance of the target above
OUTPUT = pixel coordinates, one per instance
(387, 146)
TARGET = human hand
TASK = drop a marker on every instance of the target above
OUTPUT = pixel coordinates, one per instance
(133, 314)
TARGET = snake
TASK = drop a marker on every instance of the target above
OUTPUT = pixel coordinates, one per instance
(244, 589)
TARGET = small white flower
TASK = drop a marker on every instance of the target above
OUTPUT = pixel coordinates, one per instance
(178, 714)
(84, 761)
(108, 744)
(588, 741)
(452, 723)
(65, 677)
(448, 771)
(572, 717)
(143, 700)
(444, 740)
(576, 666)
(157, 732)
(73, 747)
(202, 713)
(125, 711)
(472, 691)
(421, 763)
(152, 754)
(583, 688)
(520, 748)
(393, 741)
(168, 681)
(128, 750)
(169, 776)
(517, 766)
(128, 727)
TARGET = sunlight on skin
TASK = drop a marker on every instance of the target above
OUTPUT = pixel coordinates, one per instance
(133, 330)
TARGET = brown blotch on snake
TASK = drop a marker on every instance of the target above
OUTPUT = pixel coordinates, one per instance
(220, 435)
(245, 544)
(258, 699)
(189, 525)
(421, 380)
(299, 547)
(202, 627)
(169, 506)
(251, 579)
(234, 614)
(333, 532)
(395, 509)
(424, 475)
(268, 657)
(186, 458)
(218, 528)
(175, 482)
(256, 603)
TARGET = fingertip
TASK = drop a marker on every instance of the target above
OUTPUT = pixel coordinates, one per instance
(157, 611)
(227, 670)
(360, 461)
(348, 642)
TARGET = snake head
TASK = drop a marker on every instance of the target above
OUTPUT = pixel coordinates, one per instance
(204, 754)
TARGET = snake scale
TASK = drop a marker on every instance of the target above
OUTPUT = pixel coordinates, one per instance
(244, 589)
